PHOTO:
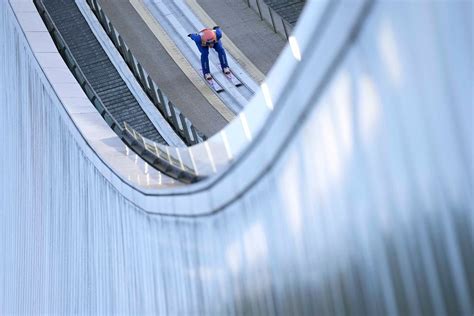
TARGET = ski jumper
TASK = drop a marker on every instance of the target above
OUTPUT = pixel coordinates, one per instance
(204, 40)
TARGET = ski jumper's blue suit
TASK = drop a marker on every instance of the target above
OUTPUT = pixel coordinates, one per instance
(205, 51)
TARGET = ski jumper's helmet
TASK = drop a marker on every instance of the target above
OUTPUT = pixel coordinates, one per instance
(208, 37)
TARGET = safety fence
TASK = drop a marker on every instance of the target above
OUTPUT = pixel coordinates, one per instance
(180, 124)
(266, 13)
(162, 162)
(155, 154)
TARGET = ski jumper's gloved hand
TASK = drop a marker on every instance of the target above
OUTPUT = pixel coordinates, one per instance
(216, 27)
(195, 37)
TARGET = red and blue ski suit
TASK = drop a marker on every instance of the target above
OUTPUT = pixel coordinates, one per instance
(203, 47)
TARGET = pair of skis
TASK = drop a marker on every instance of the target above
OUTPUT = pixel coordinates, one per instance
(229, 75)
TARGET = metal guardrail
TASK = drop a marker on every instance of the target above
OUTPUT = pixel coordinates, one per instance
(180, 124)
(266, 13)
(152, 153)
(73, 65)
(129, 136)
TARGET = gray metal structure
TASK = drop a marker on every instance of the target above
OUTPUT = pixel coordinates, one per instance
(356, 197)
(97, 68)
(281, 15)
(289, 10)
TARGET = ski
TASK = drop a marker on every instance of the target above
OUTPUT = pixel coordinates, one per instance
(214, 85)
(232, 78)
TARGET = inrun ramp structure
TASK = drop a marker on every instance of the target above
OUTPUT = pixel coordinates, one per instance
(344, 187)
(98, 69)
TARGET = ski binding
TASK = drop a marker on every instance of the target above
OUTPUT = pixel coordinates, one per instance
(213, 84)
(232, 78)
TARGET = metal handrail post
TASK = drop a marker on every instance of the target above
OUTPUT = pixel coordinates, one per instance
(271, 17)
(259, 10)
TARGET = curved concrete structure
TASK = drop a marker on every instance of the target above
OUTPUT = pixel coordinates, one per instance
(344, 187)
